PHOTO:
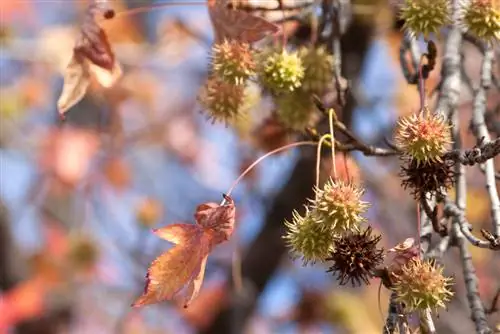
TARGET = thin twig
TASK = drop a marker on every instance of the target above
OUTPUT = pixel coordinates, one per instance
(483, 137)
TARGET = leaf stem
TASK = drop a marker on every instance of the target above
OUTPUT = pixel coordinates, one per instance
(318, 158)
(332, 137)
(256, 162)
(144, 9)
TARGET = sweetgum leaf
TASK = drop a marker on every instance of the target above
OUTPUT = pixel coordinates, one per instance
(185, 263)
(172, 270)
(178, 233)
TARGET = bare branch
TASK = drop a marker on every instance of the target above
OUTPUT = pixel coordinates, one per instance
(481, 132)
(477, 155)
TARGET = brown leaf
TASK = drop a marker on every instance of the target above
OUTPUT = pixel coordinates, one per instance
(185, 263)
(218, 219)
(92, 54)
(236, 24)
(178, 233)
(172, 270)
(195, 285)
(76, 82)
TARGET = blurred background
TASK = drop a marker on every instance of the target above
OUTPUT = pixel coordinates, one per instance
(78, 199)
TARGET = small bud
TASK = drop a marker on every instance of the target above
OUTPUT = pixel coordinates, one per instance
(221, 99)
(425, 16)
(295, 110)
(232, 62)
(318, 69)
(339, 206)
(481, 18)
(355, 256)
(307, 238)
(421, 285)
(282, 72)
(425, 137)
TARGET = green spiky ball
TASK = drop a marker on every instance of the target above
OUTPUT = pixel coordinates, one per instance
(481, 18)
(295, 110)
(425, 16)
(319, 69)
(425, 137)
(339, 206)
(232, 61)
(421, 285)
(307, 238)
(221, 100)
(282, 72)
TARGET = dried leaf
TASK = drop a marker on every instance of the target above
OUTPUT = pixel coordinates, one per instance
(178, 233)
(76, 82)
(218, 218)
(236, 24)
(185, 263)
(92, 54)
(170, 272)
(195, 285)
(106, 78)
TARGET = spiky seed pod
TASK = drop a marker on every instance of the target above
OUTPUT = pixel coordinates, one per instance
(425, 16)
(83, 253)
(421, 285)
(425, 137)
(281, 71)
(232, 61)
(339, 206)
(355, 256)
(319, 70)
(307, 239)
(222, 100)
(481, 18)
(295, 110)
(426, 178)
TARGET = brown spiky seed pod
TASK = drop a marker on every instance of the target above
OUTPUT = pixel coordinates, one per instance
(421, 285)
(425, 137)
(426, 178)
(339, 206)
(355, 256)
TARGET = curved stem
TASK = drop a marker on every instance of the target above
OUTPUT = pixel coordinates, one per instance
(256, 162)
(330, 119)
(149, 8)
(318, 159)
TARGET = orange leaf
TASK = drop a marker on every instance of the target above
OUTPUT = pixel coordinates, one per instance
(177, 233)
(168, 274)
(185, 263)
